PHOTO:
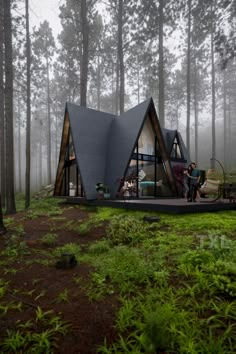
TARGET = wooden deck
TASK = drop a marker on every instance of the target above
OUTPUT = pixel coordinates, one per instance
(175, 206)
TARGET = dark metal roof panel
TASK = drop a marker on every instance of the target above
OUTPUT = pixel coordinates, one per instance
(184, 149)
(90, 131)
(169, 137)
(122, 139)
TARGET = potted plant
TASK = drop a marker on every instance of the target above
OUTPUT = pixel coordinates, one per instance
(100, 190)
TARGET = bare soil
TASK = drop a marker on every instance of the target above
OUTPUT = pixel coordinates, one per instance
(35, 284)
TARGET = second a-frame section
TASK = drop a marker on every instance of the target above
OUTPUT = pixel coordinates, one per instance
(82, 160)
(176, 150)
(149, 162)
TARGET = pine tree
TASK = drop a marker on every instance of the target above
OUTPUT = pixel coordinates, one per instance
(188, 76)
(85, 55)
(28, 100)
(2, 119)
(10, 193)
(43, 47)
(2, 227)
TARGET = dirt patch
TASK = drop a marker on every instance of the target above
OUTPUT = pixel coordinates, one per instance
(35, 284)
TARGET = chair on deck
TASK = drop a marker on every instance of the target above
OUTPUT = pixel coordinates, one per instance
(211, 186)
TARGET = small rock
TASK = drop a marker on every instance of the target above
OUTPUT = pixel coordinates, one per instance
(151, 218)
(67, 261)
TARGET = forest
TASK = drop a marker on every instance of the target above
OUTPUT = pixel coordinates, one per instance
(89, 278)
(111, 55)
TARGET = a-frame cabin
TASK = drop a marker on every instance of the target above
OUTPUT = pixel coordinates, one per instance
(101, 147)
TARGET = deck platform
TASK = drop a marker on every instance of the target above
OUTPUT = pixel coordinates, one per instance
(174, 205)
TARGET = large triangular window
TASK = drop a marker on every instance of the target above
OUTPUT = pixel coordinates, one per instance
(68, 179)
(176, 151)
(146, 175)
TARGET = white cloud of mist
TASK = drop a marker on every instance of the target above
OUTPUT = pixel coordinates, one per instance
(41, 10)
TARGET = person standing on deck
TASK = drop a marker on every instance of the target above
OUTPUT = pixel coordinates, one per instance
(187, 178)
(194, 180)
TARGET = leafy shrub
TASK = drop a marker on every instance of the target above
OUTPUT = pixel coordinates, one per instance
(84, 228)
(15, 247)
(99, 247)
(156, 332)
(126, 267)
(3, 287)
(222, 276)
(196, 259)
(49, 239)
(55, 212)
(44, 207)
(125, 230)
(68, 248)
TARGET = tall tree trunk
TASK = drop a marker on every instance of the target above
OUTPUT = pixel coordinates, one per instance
(188, 77)
(195, 110)
(138, 78)
(19, 146)
(10, 193)
(56, 130)
(2, 118)
(231, 152)
(113, 94)
(40, 157)
(177, 116)
(225, 118)
(49, 143)
(28, 114)
(84, 61)
(98, 84)
(2, 227)
(117, 87)
(120, 56)
(161, 84)
(213, 94)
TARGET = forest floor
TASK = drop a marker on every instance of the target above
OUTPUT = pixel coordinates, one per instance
(35, 284)
(163, 287)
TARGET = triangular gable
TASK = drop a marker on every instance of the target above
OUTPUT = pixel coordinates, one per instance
(122, 139)
(169, 137)
(162, 149)
(124, 135)
(177, 150)
(183, 148)
(89, 130)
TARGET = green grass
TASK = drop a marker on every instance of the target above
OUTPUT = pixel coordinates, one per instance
(38, 335)
(49, 239)
(175, 280)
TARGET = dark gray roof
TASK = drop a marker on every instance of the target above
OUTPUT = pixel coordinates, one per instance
(122, 140)
(90, 131)
(184, 149)
(104, 143)
(169, 137)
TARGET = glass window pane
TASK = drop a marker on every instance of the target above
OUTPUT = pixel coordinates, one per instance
(146, 143)
(146, 178)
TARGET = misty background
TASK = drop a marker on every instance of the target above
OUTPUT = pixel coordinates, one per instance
(111, 55)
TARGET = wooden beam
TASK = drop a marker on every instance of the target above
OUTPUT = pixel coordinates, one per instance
(64, 142)
(163, 151)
